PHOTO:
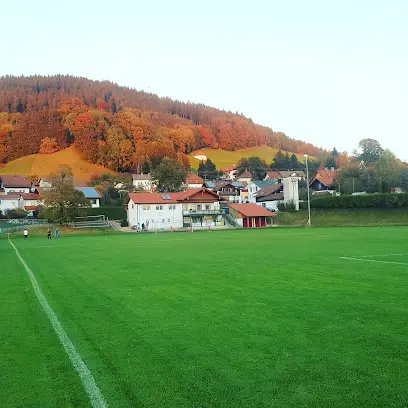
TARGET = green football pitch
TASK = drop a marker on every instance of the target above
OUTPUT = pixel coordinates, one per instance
(255, 318)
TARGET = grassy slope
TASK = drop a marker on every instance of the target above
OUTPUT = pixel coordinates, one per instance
(334, 218)
(223, 158)
(42, 165)
(252, 319)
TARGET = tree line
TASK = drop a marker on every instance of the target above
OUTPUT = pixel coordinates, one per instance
(118, 127)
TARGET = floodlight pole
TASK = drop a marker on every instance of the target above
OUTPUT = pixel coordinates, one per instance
(309, 222)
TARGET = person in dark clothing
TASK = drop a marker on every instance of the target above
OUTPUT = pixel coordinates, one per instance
(49, 234)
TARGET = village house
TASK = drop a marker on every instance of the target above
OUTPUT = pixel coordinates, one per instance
(14, 184)
(45, 184)
(229, 190)
(254, 186)
(277, 176)
(193, 207)
(92, 195)
(245, 177)
(249, 215)
(142, 181)
(30, 202)
(193, 181)
(270, 196)
(229, 172)
(10, 202)
(323, 180)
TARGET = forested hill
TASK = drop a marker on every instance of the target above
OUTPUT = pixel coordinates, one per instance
(116, 126)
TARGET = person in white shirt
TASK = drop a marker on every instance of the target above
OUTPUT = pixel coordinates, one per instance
(25, 233)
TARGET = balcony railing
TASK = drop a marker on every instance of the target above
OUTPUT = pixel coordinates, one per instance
(203, 212)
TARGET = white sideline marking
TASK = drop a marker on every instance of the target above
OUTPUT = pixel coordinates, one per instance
(372, 260)
(381, 255)
(87, 379)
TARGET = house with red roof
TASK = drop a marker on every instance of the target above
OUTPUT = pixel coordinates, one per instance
(193, 207)
(250, 215)
(14, 184)
(323, 180)
(193, 181)
(229, 172)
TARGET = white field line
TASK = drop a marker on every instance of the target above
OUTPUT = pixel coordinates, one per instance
(87, 379)
(381, 255)
(348, 258)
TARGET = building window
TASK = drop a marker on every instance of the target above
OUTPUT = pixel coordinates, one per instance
(172, 207)
(146, 207)
(133, 206)
(159, 207)
(263, 205)
(199, 207)
(162, 219)
(207, 207)
(168, 219)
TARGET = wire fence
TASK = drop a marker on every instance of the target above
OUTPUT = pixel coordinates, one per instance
(14, 225)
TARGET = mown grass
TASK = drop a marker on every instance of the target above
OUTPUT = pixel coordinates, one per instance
(42, 165)
(266, 318)
(223, 158)
(344, 217)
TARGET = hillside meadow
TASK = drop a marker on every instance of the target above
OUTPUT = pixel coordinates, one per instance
(42, 165)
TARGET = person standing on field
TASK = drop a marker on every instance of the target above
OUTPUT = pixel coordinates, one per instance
(49, 234)
(56, 233)
(25, 233)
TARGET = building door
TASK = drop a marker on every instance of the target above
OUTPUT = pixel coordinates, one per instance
(258, 222)
(245, 222)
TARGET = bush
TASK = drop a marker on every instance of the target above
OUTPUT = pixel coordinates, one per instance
(124, 223)
(383, 200)
(16, 213)
(288, 207)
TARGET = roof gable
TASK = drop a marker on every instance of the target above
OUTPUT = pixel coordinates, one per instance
(15, 181)
(251, 210)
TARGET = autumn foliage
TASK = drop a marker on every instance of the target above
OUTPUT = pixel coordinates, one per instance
(118, 127)
(48, 145)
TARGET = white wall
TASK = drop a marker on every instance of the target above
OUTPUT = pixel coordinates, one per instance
(291, 190)
(194, 185)
(10, 204)
(252, 190)
(16, 190)
(156, 215)
(145, 184)
(270, 205)
(95, 202)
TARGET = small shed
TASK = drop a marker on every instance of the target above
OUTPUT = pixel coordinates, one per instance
(250, 215)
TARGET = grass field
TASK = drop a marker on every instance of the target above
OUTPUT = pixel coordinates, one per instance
(223, 158)
(241, 318)
(42, 165)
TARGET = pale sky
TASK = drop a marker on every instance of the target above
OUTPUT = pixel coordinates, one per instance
(326, 71)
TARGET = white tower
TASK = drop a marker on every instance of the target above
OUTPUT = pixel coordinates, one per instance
(291, 191)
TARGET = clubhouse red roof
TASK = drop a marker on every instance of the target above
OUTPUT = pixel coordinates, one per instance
(251, 210)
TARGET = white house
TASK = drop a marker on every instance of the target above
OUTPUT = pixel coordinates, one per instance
(10, 202)
(193, 181)
(198, 206)
(229, 172)
(254, 186)
(45, 184)
(30, 202)
(142, 181)
(270, 196)
(92, 195)
(14, 184)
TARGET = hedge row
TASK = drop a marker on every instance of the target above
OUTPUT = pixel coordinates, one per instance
(113, 213)
(392, 200)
